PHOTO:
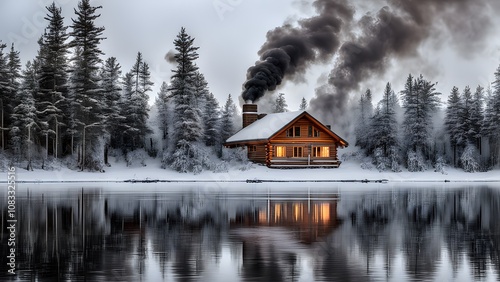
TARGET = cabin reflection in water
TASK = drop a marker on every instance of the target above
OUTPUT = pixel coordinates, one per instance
(310, 220)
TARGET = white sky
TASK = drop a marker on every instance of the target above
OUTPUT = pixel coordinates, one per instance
(229, 41)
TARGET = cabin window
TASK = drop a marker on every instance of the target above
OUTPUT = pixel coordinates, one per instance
(312, 132)
(321, 152)
(293, 131)
(252, 148)
(297, 131)
(316, 133)
(280, 151)
(298, 152)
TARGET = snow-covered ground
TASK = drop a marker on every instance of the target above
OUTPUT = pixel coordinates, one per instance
(349, 170)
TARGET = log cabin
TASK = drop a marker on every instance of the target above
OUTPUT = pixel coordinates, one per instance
(287, 140)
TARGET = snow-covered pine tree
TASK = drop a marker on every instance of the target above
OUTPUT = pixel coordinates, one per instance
(24, 117)
(200, 85)
(420, 101)
(227, 127)
(477, 117)
(85, 86)
(111, 91)
(303, 104)
(13, 85)
(362, 128)
(136, 105)
(465, 116)
(470, 159)
(452, 121)
(209, 106)
(188, 129)
(162, 104)
(74, 125)
(127, 126)
(211, 119)
(52, 100)
(492, 120)
(280, 105)
(4, 97)
(385, 127)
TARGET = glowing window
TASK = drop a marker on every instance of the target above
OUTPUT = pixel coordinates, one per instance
(325, 152)
(280, 151)
(321, 152)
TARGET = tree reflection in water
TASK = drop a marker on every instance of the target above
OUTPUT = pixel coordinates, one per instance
(388, 233)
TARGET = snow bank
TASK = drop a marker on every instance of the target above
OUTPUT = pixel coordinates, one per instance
(349, 170)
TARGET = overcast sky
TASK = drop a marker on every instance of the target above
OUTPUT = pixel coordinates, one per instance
(229, 34)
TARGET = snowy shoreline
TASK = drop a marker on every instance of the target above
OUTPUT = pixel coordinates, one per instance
(348, 172)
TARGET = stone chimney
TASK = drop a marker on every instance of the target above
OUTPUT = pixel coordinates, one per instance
(250, 114)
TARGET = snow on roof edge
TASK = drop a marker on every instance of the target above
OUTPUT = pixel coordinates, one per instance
(265, 127)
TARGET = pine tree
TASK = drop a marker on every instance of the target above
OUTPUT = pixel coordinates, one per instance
(85, 83)
(452, 121)
(4, 95)
(25, 118)
(385, 125)
(465, 117)
(477, 117)
(111, 91)
(420, 101)
(13, 85)
(227, 128)
(280, 105)
(187, 124)
(136, 106)
(211, 118)
(74, 125)
(303, 104)
(492, 120)
(162, 104)
(201, 89)
(9, 85)
(362, 128)
(53, 100)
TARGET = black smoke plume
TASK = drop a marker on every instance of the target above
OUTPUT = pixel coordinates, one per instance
(290, 50)
(397, 31)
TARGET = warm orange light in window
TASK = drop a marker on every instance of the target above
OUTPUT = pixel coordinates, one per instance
(297, 212)
(280, 151)
(277, 212)
(325, 152)
(262, 216)
(321, 213)
(325, 212)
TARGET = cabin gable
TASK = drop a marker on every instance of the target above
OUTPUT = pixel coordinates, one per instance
(304, 129)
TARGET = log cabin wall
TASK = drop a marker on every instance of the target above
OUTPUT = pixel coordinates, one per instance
(257, 153)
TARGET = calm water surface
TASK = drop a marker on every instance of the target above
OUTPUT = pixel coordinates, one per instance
(255, 232)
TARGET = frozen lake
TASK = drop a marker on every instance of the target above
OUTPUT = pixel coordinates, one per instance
(254, 232)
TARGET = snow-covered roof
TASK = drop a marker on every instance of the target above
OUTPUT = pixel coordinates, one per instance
(265, 127)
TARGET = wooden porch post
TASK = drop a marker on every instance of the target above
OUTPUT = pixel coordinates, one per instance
(269, 154)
